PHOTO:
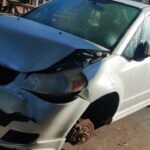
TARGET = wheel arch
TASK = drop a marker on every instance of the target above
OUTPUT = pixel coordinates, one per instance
(102, 110)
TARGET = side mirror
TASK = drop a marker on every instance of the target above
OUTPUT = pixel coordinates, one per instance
(146, 47)
(142, 51)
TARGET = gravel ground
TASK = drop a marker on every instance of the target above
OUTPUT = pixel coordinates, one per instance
(130, 133)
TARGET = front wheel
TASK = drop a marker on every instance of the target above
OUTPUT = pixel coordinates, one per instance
(81, 132)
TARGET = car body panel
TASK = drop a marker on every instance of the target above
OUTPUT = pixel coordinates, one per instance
(53, 121)
(34, 45)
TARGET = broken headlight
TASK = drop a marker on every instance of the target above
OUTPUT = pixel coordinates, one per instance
(55, 85)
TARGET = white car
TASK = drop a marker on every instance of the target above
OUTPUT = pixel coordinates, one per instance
(68, 67)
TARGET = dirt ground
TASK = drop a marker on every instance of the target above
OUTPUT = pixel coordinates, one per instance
(130, 133)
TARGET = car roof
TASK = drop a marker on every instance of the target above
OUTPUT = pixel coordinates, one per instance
(132, 3)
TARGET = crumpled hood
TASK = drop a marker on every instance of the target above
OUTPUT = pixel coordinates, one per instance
(27, 46)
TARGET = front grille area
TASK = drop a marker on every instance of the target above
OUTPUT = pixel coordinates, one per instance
(7, 75)
(19, 137)
(5, 118)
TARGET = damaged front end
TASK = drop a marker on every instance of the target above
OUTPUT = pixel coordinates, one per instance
(44, 105)
(40, 83)
(37, 108)
(64, 80)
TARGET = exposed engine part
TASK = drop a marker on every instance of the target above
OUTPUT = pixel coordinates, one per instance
(81, 132)
(78, 59)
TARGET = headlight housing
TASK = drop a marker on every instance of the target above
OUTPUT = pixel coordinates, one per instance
(57, 84)
(46, 83)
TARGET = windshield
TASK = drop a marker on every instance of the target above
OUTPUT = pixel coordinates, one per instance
(101, 22)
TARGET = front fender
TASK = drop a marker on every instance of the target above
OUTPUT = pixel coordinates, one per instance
(101, 81)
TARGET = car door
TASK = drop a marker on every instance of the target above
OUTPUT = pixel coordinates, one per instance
(134, 73)
(146, 37)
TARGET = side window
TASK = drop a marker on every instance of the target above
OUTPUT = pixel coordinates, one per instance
(133, 44)
(146, 35)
